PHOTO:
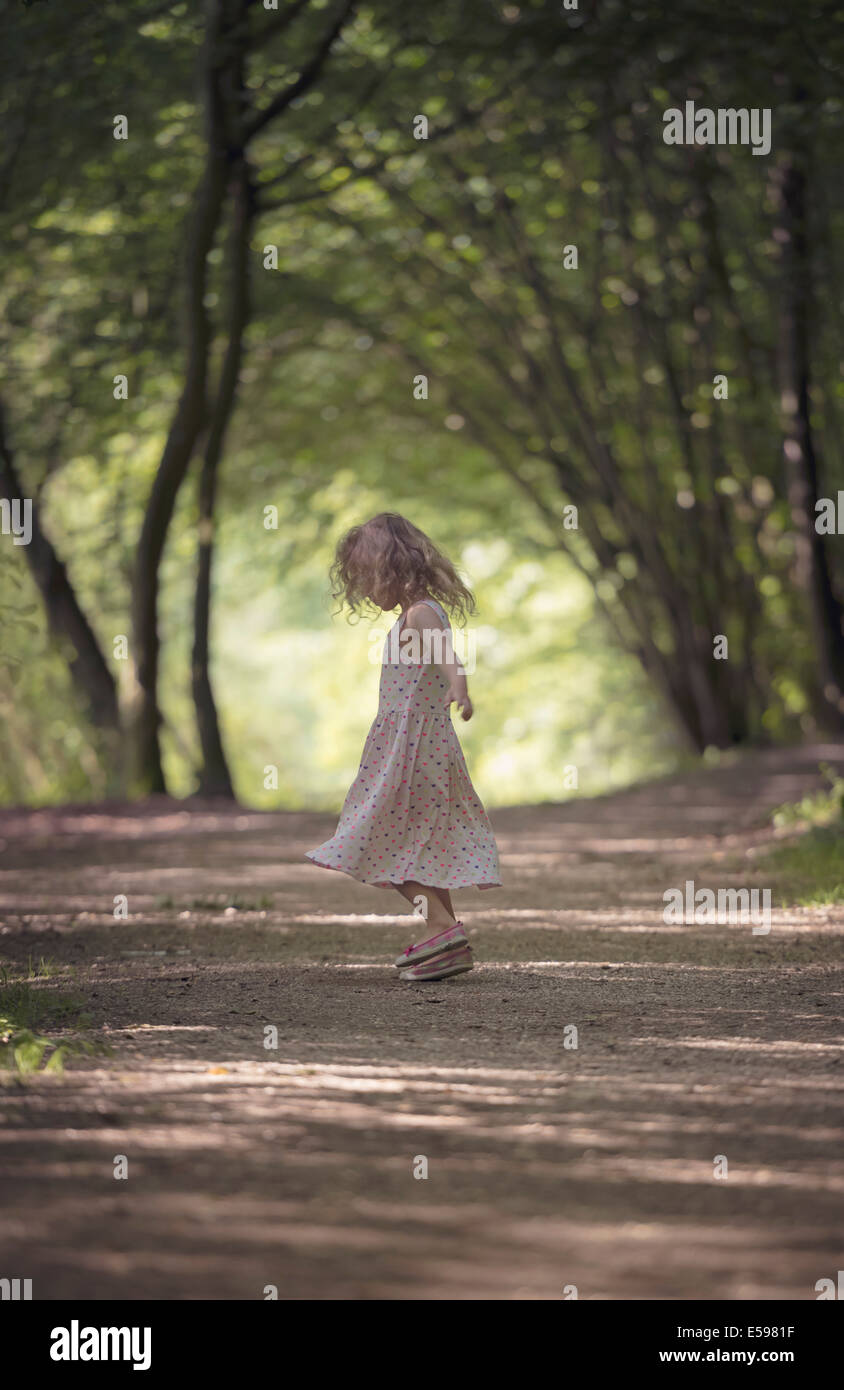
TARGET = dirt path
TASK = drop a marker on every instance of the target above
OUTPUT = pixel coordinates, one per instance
(548, 1166)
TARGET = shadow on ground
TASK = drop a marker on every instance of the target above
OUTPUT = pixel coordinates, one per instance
(274, 1087)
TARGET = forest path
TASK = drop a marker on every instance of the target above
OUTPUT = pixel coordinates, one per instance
(548, 1166)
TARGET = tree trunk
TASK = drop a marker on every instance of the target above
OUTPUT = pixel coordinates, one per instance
(228, 135)
(215, 779)
(801, 461)
(190, 416)
(67, 622)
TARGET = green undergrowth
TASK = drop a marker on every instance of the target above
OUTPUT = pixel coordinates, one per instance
(30, 1012)
(808, 870)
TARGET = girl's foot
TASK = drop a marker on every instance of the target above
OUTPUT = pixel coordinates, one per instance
(450, 939)
(450, 962)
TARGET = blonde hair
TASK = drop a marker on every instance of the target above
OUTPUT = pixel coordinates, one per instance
(392, 557)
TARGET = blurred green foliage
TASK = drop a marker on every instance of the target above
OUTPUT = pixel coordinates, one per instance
(298, 683)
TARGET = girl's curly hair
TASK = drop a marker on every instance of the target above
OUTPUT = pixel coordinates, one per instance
(392, 558)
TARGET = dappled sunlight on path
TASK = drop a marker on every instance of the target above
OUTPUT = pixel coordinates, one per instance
(274, 1085)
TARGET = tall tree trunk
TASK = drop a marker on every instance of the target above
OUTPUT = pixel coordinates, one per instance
(801, 460)
(66, 620)
(220, 54)
(215, 779)
(227, 41)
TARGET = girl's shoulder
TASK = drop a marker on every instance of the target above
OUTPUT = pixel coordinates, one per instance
(419, 613)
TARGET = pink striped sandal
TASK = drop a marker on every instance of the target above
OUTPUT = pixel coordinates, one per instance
(453, 938)
(451, 962)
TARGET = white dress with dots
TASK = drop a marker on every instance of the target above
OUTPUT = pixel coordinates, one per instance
(412, 812)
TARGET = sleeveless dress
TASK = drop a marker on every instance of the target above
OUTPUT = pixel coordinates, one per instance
(412, 812)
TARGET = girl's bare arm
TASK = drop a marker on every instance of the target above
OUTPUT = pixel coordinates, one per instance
(439, 651)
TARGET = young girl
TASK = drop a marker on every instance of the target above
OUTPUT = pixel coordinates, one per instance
(412, 819)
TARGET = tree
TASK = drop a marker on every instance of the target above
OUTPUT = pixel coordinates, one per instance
(590, 381)
(67, 622)
(802, 467)
(231, 127)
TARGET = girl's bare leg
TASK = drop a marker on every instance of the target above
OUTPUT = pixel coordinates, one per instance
(445, 898)
(439, 913)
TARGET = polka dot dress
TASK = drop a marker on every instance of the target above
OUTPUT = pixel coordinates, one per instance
(412, 812)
